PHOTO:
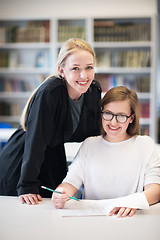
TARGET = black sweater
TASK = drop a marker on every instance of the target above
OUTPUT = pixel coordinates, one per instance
(36, 156)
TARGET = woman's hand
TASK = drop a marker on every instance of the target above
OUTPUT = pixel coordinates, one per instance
(30, 199)
(58, 199)
(123, 211)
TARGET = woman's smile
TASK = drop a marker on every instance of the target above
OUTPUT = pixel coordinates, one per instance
(113, 128)
(83, 83)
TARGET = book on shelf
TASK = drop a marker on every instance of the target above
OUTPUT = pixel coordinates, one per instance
(144, 109)
(2, 35)
(66, 31)
(4, 109)
(104, 59)
(9, 59)
(33, 31)
(19, 85)
(110, 31)
(4, 59)
(143, 84)
(11, 109)
(123, 58)
(44, 29)
(137, 83)
(144, 130)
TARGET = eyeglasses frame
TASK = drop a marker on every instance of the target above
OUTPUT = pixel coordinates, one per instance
(116, 115)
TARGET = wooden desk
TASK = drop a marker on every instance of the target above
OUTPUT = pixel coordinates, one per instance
(42, 221)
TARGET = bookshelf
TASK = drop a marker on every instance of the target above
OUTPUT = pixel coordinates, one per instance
(71, 28)
(24, 63)
(125, 50)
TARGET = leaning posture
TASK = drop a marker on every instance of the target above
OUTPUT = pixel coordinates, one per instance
(65, 108)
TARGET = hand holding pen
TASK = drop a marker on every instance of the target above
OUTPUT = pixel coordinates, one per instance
(59, 200)
(59, 196)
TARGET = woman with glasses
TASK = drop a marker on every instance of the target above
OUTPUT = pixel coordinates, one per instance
(118, 163)
(65, 108)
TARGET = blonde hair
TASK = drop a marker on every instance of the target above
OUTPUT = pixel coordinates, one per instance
(69, 47)
(119, 94)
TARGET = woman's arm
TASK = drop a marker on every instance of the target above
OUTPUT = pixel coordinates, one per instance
(152, 193)
(67, 190)
(38, 134)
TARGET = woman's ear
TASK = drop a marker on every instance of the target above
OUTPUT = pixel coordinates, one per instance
(132, 118)
(60, 70)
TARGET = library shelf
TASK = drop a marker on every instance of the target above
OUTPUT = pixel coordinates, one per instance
(125, 49)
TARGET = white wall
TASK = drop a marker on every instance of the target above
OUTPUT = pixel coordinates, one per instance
(75, 8)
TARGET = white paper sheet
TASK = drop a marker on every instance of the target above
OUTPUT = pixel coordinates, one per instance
(103, 207)
(136, 200)
(82, 208)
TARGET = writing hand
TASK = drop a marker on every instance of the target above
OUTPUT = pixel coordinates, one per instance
(59, 200)
(30, 199)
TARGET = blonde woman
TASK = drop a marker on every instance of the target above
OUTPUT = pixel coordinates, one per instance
(118, 163)
(65, 108)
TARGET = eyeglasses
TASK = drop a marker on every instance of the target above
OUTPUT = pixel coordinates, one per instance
(107, 116)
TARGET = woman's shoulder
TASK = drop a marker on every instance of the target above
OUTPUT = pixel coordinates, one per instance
(145, 141)
(144, 138)
(96, 84)
(52, 90)
(52, 83)
(92, 140)
(51, 86)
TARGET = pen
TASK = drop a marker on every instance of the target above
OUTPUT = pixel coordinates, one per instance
(49, 189)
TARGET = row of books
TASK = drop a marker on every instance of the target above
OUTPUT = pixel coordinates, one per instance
(17, 85)
(140, 84)
(144, 130)
(124, 58)
(110, 32)
(137, 83)
(11, 109)
(144, 109)
(34, 31)
(11, 59)
(4, 59)
(39, 31)
(65, 32)
(15, 109)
